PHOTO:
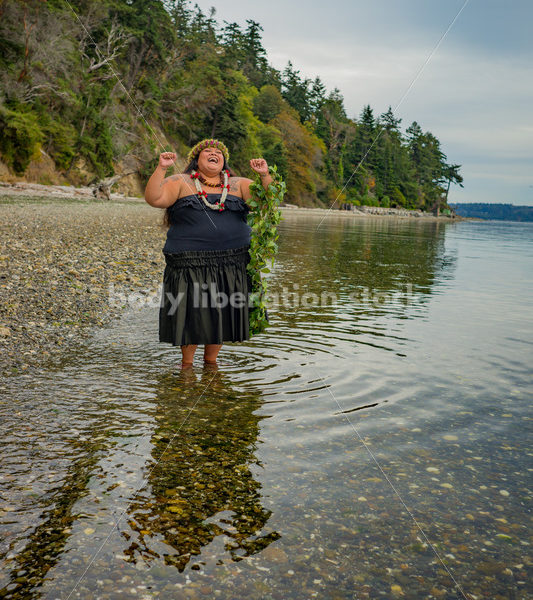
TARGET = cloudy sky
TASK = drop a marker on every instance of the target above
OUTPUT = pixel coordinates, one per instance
(475, 94)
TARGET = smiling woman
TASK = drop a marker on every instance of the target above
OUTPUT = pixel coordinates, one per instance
(206, 287)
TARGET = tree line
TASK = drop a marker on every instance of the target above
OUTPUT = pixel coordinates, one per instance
(118, 81)
(498, 212)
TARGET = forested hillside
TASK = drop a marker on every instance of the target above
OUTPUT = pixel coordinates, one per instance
(101, 87)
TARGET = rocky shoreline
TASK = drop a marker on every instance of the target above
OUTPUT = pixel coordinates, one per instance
(64, 263)
(373, 212)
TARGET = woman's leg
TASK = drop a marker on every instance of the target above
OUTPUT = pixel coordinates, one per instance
(211, 352)
(187, 354)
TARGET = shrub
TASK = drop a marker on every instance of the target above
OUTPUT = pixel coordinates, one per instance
(369, 200)
(21, 138)
(61, 142)
(398, 198)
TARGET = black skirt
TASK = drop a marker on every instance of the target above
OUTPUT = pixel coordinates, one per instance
(206, 297)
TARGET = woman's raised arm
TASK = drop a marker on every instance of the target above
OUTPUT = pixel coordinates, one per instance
(259, 165)
(160, 191)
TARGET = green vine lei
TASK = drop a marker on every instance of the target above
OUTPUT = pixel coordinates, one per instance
(263, 218)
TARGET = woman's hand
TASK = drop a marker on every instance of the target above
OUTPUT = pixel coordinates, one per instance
(167, 159)
(259, 165)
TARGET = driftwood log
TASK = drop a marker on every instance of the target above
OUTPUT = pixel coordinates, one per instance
(102, 189)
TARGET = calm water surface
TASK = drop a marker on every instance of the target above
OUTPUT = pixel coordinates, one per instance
(372, 444)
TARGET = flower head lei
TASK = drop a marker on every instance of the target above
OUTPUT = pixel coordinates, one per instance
(210, 143)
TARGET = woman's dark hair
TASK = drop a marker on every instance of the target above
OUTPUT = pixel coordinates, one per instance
(192, 166)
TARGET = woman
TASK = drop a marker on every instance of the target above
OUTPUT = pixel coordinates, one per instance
(205, 283)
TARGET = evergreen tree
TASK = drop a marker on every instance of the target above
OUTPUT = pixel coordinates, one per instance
(232, 41)
(295, 90)
(181, 16)
(254, 64)
(389, 121)
(317, 95)
(450, 174)
(336, 130)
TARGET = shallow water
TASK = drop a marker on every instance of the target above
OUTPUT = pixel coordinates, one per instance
(371, 445)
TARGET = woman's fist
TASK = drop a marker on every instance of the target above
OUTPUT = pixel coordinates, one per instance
(167, 159)
(259, 165)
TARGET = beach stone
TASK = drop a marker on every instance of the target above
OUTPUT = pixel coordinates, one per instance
(274, 554)
(396, 590)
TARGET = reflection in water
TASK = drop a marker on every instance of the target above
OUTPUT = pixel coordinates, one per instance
(199, 482)
(60, 471)
(364, 275)
(380, 256)
(123, 477)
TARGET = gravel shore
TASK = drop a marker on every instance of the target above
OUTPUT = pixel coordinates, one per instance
(59, 260)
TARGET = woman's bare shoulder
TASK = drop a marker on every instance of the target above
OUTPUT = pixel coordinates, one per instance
(238, 185)
(173, 187)
(177, 177)
(241, 185)
(181, 185)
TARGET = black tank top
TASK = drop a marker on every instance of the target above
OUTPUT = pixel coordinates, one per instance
(195, 226)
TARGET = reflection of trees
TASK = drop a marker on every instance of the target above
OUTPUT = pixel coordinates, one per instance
(202, 451)
(377, 254)
(46, 543)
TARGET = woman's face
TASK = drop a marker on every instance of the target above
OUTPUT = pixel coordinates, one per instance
(211, 161)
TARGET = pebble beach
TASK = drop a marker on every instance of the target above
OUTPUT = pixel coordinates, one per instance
(61, 259)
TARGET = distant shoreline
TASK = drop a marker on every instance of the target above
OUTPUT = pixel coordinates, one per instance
(357, 214)
(35, 190)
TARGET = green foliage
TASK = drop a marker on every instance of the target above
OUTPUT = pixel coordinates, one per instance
(336, 130)
(397, 198)
(245, 50)
(353, 197)
(21, 138)
(369, 200)
(296, 91)
(229, 122)
(276, 153)
(503, 212)
(147, 169)
(389, 121)
(60, 142)
(189, 77)
(268, 103)
(304, 157)
(98, 148)
(263, 218)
